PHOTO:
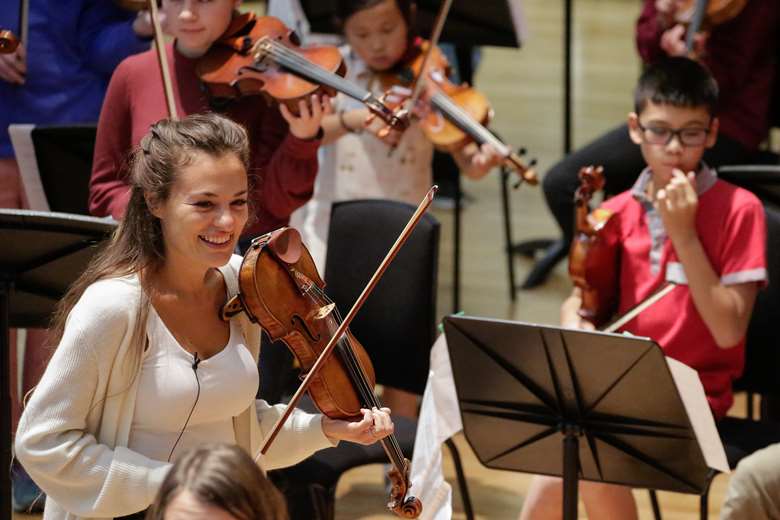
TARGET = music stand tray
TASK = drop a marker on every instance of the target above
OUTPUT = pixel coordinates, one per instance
(42, 255)
(530, 393)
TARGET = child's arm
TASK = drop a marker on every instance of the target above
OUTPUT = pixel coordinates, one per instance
(569, 308)
(725, 309)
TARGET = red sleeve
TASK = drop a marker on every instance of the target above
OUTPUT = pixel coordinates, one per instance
(743, 255)
(648, 33)
(108, 189)
(287, 168)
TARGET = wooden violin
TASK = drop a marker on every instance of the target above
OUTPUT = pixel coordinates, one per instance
(459, 113)
(260, 55)
(593, 265)
(594, 262)
(281, 290)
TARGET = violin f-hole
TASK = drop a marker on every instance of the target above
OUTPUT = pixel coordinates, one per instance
(301, 324)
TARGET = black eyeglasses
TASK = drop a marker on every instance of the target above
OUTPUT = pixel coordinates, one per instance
(663, 135)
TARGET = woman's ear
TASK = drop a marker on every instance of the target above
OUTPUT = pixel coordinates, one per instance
(634, 132)
(153, 205)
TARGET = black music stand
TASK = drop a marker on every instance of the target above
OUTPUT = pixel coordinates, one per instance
(42, 254)
(529, 393)
(56, 159)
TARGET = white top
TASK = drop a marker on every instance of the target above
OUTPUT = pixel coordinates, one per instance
(168, 390)
(359, 166)
(74, 433)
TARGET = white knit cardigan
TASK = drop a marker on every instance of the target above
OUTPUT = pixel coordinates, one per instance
(73, 435)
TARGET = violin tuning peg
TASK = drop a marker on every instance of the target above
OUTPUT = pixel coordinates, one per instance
(521, 151)
(532, 163)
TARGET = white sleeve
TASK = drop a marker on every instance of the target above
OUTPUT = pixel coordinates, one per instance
(299, 438)
(53, 443)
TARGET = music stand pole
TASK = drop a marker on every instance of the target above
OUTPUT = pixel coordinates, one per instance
(5, 400)
(571, 469)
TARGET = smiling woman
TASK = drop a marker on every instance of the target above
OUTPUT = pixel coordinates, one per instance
(151, 370)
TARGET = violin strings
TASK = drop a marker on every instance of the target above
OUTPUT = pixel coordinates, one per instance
(353, 365)
(464, 121)
(300, 65)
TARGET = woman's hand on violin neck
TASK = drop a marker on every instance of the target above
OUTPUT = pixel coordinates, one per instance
(376, 424)
(307, 123)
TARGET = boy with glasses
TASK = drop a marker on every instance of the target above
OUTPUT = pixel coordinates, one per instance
(679, 223)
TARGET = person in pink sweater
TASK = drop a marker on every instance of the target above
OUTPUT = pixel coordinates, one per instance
(283, 147)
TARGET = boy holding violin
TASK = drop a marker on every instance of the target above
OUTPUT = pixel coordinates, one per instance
(741, 54)
(679, 223)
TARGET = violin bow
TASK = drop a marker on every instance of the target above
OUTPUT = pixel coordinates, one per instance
(162, 59)
(637, 309)
(326, 352)
(24, 21)
(697, 18)
(417, 84)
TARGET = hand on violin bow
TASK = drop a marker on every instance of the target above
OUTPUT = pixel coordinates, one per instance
(375, 425)
(396, 97)
(142, 25)
(677, 203)
(307, 123)
(667, 9)
(13, 66)
(673, 42)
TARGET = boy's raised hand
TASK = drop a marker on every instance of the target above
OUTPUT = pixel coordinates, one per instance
(677, 203)
(306, 125)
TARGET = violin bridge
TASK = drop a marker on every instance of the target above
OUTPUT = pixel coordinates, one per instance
(323, 312)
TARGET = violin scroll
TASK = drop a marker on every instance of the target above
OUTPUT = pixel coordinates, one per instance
(401, 503)
(8, 42)
(593, 262)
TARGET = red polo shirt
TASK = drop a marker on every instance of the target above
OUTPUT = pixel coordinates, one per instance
(730, 224)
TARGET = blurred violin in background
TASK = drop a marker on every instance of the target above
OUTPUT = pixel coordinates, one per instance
(8, 41)
(458, 113)
(702, 15)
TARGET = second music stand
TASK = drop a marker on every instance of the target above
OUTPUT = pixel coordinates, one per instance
(581, 405)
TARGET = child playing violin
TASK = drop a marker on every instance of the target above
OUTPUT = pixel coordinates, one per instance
(678, 223)
(356, 161)
(742, 56)
(283, 146)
